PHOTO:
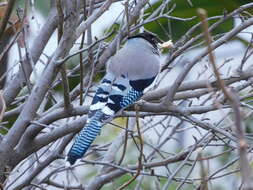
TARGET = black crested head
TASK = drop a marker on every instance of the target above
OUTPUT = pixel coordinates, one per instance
(150, 37)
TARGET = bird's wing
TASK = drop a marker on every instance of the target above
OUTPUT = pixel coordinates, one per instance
(117, 93)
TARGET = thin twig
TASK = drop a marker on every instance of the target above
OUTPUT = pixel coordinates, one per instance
(126, 5)
(61, 61)
(125, 144)
(81, 56)
(141, 153)
(204, 180)
(67, 101)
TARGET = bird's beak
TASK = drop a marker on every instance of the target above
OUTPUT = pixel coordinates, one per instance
(166, 45)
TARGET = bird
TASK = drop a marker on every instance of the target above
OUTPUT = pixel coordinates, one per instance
(128, 73)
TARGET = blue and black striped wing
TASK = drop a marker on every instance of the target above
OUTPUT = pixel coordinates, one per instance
(130, 92)
(117, 93)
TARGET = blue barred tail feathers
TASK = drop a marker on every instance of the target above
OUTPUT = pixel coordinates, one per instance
(85, 138)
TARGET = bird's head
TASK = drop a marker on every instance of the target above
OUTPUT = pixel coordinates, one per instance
(150, 37)
(153, 39)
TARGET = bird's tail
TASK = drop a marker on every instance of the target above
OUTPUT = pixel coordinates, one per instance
(84, 139)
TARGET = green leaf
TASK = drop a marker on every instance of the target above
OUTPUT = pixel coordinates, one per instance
(183, 9)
